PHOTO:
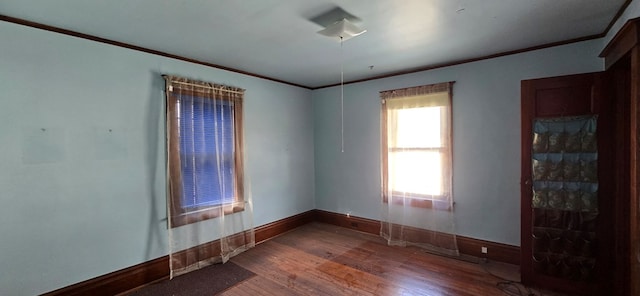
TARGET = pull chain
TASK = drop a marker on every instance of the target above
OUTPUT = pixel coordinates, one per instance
(341, 97)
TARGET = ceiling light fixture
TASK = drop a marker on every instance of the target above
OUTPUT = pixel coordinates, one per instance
(344, 30)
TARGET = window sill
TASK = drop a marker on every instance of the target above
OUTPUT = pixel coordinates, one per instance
(420, 202)
(206, 214)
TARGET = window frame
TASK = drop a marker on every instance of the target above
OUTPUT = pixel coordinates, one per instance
(440, 202)
(179, 215)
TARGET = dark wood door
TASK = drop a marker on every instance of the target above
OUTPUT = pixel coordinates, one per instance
(564, 247)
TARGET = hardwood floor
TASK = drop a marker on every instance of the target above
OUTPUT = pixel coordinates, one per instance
(321, 259)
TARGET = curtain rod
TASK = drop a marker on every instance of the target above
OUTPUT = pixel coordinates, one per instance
(206, 86)
(419, 86)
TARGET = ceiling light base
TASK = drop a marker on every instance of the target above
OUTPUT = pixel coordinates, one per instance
(342, 29)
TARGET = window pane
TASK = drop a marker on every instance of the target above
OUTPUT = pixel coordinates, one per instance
(418, 172)
(419, 127)
(206, 152)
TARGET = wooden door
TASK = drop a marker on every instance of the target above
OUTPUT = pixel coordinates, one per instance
(565, 248)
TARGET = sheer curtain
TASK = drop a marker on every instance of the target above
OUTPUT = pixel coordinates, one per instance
(208, 199)
(417, 168)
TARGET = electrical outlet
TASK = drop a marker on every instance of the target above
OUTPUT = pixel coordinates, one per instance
(484, 250)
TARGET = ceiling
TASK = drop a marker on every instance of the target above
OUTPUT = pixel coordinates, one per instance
(278, 40)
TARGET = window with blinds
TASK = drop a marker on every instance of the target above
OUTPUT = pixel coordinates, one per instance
(207, 167)
(205, 151)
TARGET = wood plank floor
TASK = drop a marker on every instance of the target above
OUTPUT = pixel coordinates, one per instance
(321, 259)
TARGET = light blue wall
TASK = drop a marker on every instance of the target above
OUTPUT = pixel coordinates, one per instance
(486, 127)
(79, 201)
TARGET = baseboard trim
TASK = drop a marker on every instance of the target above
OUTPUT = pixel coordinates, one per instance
(273, 229)
(496, 251)
(466, 245)
(158, 269)
(351, 222)
(119, 281)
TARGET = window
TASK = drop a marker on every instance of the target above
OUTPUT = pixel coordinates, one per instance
(416, 148)
(204, 125)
